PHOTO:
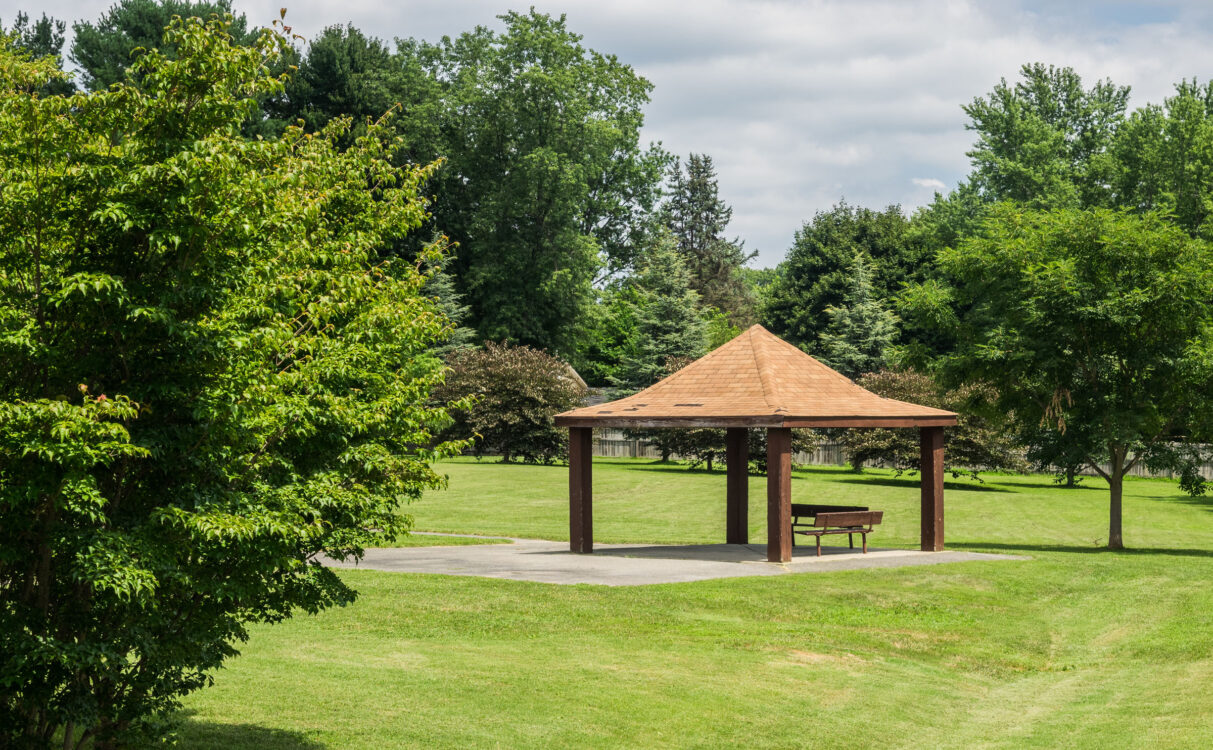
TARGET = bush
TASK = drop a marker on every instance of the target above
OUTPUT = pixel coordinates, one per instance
(208, 379)
(974, 443)
(516, 391)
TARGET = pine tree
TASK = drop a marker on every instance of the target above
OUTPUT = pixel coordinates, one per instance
(860, 331)
(697, 218)
(668, 321)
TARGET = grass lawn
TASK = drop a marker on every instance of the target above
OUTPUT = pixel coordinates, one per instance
(1077, 647)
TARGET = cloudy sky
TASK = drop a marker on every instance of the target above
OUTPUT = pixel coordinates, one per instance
(802, 104)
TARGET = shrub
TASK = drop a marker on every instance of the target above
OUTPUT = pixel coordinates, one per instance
(974, 443)
(516, 391)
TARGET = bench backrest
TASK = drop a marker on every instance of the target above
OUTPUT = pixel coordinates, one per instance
(849, 518)
(813, 509)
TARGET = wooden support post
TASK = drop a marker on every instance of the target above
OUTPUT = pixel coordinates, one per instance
(737, 464)
(779, 494)
(931, 439)
(581, 516)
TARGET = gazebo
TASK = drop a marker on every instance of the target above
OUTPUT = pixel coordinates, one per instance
(755, 381)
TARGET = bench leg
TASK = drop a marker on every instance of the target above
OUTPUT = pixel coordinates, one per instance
(865, 542)
(851, 540)
(819, 545)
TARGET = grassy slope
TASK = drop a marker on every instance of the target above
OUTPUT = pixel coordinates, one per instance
(1075, 648)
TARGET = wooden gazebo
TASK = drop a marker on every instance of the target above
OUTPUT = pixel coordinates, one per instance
(757, 380)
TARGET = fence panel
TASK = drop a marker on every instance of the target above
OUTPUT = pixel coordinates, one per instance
(614, 443)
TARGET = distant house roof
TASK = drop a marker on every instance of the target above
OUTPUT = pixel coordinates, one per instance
(756, 380)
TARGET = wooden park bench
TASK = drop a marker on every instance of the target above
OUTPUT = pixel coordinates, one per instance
(849, 522)
(804, 513)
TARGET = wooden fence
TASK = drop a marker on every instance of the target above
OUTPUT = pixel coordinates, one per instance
(613, 443)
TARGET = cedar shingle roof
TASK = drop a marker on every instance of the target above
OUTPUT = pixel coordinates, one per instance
(756, 380)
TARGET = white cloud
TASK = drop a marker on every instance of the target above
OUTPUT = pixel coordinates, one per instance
(928, 182)
(801, 103)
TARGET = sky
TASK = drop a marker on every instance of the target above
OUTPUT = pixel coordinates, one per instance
(804, 104)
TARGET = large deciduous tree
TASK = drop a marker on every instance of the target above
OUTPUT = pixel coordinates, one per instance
(544, 182)
(1045, 141)
(208, 379)
(1093, 323)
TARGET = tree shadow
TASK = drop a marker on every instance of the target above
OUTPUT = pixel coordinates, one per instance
(1055, 486)
(915, 484)
(1202, 502)
(1015, 547)
(210, 735)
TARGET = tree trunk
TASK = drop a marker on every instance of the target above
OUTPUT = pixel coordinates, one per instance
(1069, 476)
(1116, 481)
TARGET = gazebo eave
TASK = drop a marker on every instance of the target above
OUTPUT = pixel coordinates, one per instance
(700, 422)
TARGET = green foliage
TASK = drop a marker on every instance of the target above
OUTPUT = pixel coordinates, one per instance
(1095, 324)
(1164, 158)
(718, 329)
(512, 394)
(544, 182)
(816, 273)
(610, 333)
(668, 326)
(104, 51)
(861, 331)
(209, 378)
(696, 216)
(440, 287)
(975, 443)
(42, 39)
(1045, 141)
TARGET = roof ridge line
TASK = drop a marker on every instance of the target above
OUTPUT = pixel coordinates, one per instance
(768, 386)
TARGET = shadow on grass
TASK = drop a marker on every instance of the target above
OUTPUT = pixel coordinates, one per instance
(1102, 487)
(1203, 502)
(984, 546)
(210, 735)
(914, 483)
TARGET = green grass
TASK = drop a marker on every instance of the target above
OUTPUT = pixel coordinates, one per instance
(1077, 647)
(435, 540)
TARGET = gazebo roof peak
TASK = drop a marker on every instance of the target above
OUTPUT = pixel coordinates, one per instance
(756, 380)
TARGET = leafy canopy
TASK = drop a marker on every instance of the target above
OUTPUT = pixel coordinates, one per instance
(1096, 324)
(208, 378)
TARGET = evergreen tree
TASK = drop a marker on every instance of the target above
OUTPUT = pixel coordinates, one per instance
(440, 287)
(668, 322)
(861, 330)
(103, 51)
(697, 217)
(816, 273)
(43, 38)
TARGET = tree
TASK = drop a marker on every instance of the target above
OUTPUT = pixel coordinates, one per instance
(977, 442)
(208, 378)
(343, 72)
(544, 183)
(513, 393)
(440, 287)
(1094, 323)
(105, 50)
(1046, 141)
(816, 275)
(42, 39)
(668, 325)
(861, 331)
(697, 217)
(1164, 159)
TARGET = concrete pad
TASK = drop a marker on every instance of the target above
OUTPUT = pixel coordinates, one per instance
(638, 564)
